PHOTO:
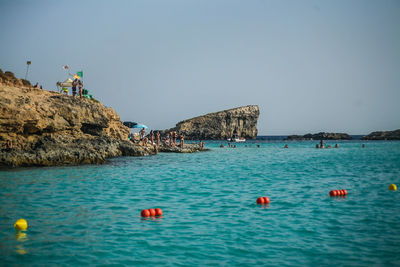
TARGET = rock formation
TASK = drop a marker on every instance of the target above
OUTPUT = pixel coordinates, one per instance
(43, 128)
(383, 135)
(320, 136)
(241, 121)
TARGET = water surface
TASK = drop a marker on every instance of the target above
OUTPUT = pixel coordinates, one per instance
(91, 214)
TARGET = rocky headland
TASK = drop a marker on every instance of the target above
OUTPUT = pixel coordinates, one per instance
(44, 128)
(383, 135)
(241, 121)
(320, 136)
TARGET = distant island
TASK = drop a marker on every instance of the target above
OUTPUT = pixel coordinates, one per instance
(320, 136)
(383, 135)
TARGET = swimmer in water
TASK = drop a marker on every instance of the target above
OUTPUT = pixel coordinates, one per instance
(286, 146)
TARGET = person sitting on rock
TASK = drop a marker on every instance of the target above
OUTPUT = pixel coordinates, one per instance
(142, 132)
(145, 140)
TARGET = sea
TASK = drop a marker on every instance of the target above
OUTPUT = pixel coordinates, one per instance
(90, 214)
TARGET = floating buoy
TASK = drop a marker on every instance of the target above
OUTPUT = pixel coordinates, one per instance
(21, 224)
(335, 193)
(260, 200)
(152, 212)
(158, 211)
(263, 200)
(393, 187)
(145, 213)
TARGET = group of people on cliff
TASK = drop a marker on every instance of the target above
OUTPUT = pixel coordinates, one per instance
(79, 84)
(76, 84)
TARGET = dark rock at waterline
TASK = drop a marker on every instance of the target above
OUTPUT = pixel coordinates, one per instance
(383, 135)
(320, 136)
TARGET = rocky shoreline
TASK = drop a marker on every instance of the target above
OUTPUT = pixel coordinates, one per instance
(44, 128)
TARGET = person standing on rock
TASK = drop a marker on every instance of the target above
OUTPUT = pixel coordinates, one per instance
(182, 141)
(80, 87)
(151, 137)
(74, 84)
(175, 133)
(171, 138)
(158, 138)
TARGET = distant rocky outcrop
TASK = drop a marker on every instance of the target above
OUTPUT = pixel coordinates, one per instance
(241, 121)
(383, 135)
(320, 136)
(43, 128)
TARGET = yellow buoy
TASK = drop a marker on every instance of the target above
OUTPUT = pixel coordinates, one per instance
(393, 187)
(21, 224)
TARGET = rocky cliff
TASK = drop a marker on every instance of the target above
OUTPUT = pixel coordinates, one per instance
(320, 136)
(383, 135)
(241, 121)
(43, 128)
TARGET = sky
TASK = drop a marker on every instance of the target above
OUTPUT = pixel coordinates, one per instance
(310, 66)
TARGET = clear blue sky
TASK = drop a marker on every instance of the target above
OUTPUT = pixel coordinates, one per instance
(310, 65)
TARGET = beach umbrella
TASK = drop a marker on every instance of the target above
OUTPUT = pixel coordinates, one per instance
(129, 124)
(140, 126)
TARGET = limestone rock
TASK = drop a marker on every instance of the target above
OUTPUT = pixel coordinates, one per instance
(48, 128)
(241, 121)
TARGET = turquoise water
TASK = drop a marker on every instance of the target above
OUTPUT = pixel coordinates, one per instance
(90, 215)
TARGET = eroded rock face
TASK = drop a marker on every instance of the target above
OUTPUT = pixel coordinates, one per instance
(383, 135)
(48, 128)
(241, 121)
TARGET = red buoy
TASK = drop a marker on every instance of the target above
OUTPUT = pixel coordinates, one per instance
(341, 192)
(266, 200)
(158, 211)
(145, 213)
(152, 212)
(260, 200)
